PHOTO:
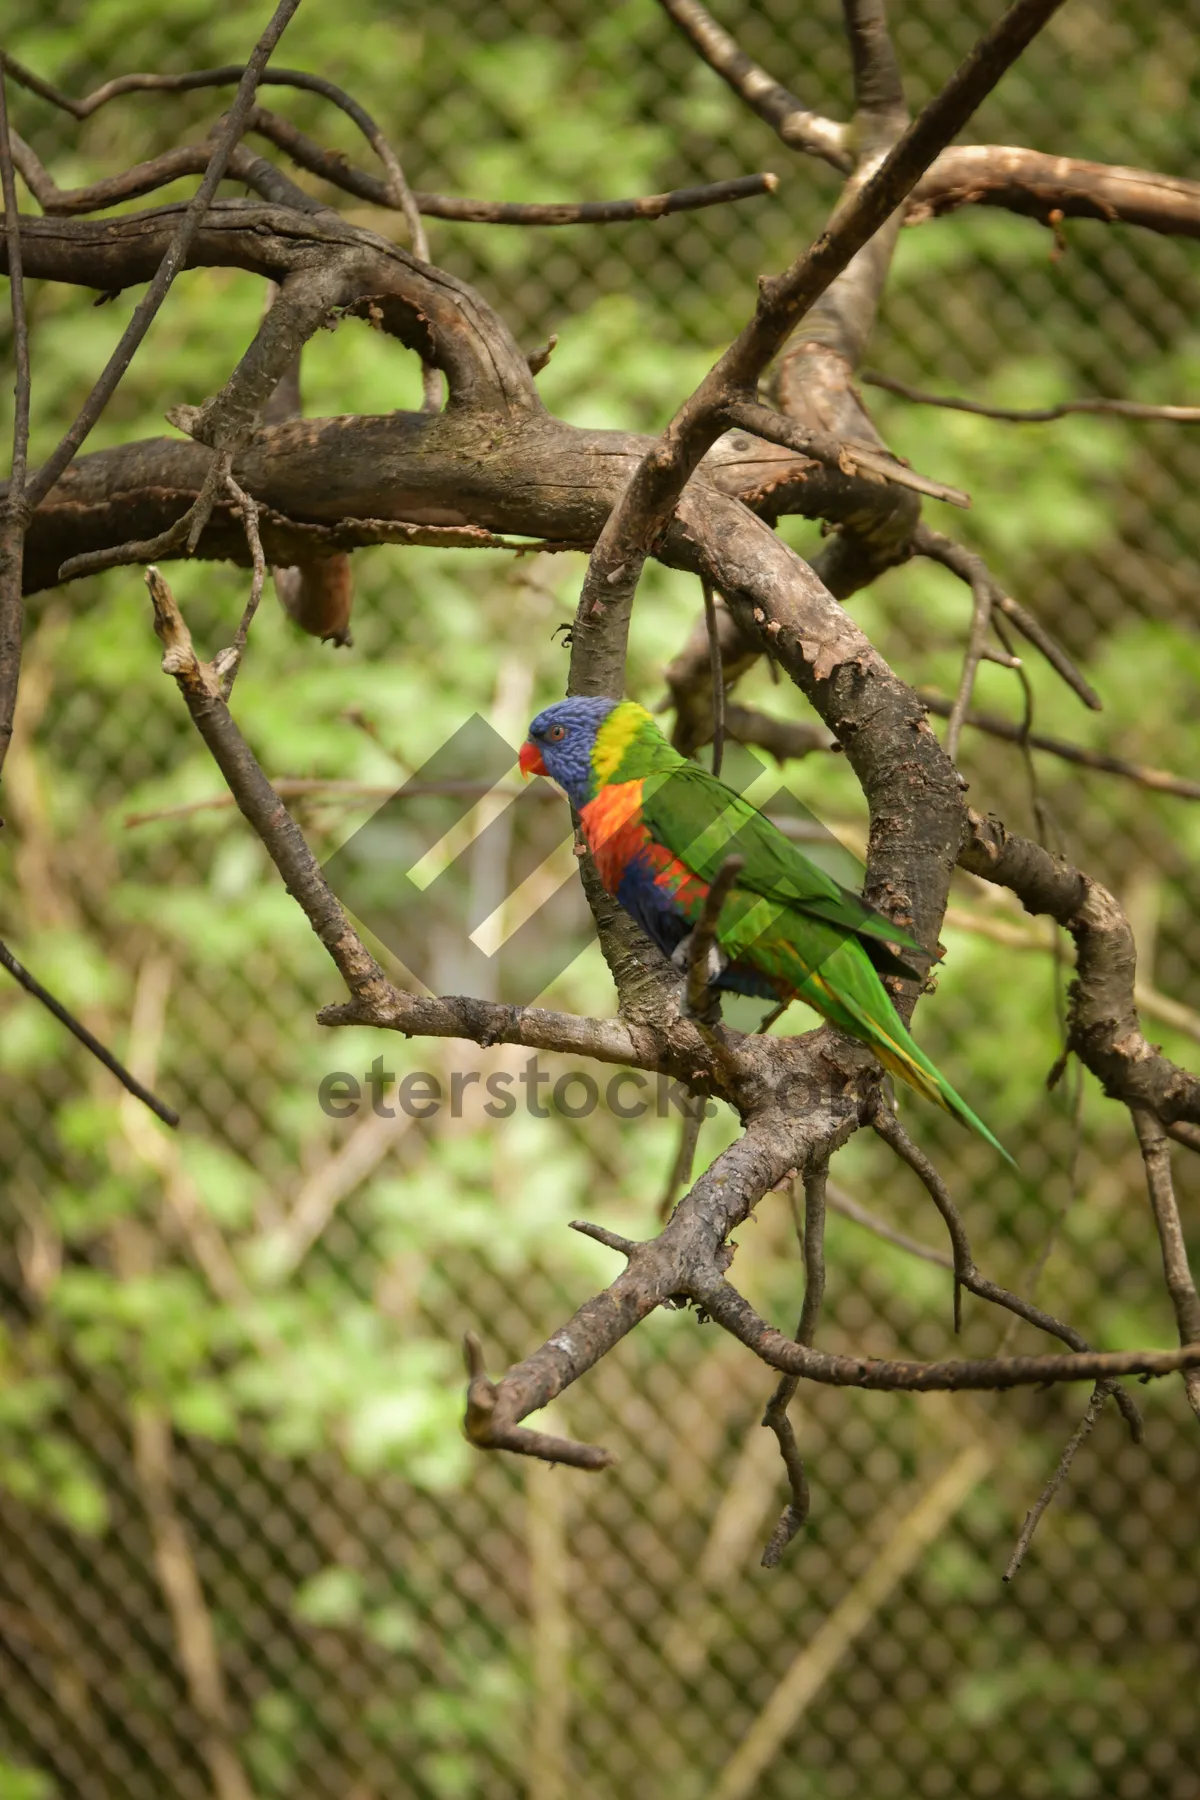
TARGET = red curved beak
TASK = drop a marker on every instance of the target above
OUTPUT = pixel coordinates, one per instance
(531, 759)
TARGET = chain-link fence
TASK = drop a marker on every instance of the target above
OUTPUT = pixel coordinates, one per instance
(246, 1550)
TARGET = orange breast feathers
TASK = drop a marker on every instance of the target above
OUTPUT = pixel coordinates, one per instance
(612, 825)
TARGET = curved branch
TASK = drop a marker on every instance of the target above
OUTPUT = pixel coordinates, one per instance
(145, 178)
(1039, 185)
(1103, 1026)
(726, 1306)
(787, 116)
(429, 311)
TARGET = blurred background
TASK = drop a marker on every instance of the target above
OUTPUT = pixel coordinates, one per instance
(246, 1550)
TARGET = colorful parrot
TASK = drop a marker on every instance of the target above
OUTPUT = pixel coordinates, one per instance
(660, 827)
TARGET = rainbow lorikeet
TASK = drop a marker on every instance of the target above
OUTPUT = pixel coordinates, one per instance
(660, 827)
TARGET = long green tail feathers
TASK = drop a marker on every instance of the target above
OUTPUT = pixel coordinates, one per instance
(903, 1058)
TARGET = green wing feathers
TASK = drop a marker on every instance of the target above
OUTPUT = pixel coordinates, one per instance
(797, 928)
(703, 823)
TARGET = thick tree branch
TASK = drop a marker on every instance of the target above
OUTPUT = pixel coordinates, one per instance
(1103, 1026)
(1040, 185)
(174, 259)
(16, 509)
(634, 529)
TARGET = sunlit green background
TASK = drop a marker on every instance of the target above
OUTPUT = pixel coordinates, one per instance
(248, 1335)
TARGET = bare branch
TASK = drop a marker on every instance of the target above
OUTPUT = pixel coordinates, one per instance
(878, 88)
(1157, 779)
(791, 1520)
(971, 568)
(728, 1309)
(332, 166)
(966, 1275)
(17, 508)
(1103, 1027)
(783, 112)
(636, 524)
(33, 986)
(1188, 1135)
(982, 600)
(1035, 415)
(144, 178)
(852, 458)
(1033, 1517)
(227, 662)
(718, 677)
(1156, 1154)
(1039, 185)
(172, 262)
(850, 1208)
(487, 1433)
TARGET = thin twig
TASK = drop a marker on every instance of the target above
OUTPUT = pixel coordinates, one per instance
(799, 128)
(852, 458)
(844, 1203)
(17, 508)
(981, 617)
(685, 1157)
(703, 940)
(331, 166)
(970, 567)
(184, 534)
(399, 197)
(171, 263)
(718, 677)
(1156, 1155)
(887, 1126)
(992, 1374)
(1048, 834)
(228, 662)
(1095, 1407)
(1159, 779)
(1183, 1133)
(1034, 415)
(775, 1418)
(33, 986)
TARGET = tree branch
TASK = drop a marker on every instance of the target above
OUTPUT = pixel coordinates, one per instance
(17, 509)
(175, 259)
(1103, 1026)
(1156, 1154)
(1035, 415)
(971, 568)
(787, 116)
(636, 525)
(1039, 185)
(812, 1240)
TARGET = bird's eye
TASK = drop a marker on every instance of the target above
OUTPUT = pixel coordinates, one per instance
(557, 733)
